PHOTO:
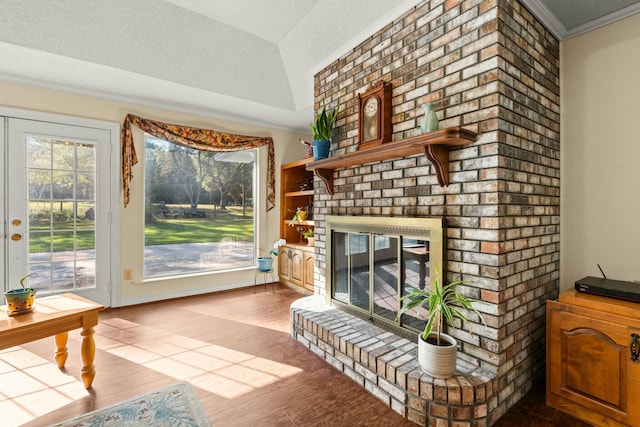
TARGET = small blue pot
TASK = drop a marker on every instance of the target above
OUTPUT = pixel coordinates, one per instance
(321, 149)
(265, 264)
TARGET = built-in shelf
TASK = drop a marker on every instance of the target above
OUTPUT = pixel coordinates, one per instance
(299, 193)
(309, 223)
(435, 145)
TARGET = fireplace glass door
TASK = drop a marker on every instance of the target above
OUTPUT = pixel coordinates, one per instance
(371, 272)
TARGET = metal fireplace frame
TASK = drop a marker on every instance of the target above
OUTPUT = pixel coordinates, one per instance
(431, 229)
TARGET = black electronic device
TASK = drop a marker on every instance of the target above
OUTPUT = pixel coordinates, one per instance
(619, 289)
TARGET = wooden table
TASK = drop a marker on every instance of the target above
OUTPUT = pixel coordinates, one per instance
(55, 315)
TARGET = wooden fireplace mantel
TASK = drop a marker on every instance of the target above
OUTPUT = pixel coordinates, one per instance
(435, 146)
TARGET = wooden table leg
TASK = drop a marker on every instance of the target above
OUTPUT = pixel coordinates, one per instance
(88, 350)
(61, 349)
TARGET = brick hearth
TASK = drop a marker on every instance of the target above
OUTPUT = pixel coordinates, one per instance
(387, 367)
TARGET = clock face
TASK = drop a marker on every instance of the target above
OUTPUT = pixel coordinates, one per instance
(371, 106)
(370, 119)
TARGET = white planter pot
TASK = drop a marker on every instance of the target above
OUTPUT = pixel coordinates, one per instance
(439, 361)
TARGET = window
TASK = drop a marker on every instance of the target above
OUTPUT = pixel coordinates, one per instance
(61, 190)
(199, 210)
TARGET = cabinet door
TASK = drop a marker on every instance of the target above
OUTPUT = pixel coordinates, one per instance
(284, 264)
(296, 267)
(589, 370)
(308, 280)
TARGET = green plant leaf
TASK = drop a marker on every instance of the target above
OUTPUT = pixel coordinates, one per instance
(23, 279)
(323, 122)
(443, 303)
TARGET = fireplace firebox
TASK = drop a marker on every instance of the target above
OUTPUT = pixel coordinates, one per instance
(375, 260)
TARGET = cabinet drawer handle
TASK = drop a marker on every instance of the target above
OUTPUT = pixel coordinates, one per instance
(635, 348)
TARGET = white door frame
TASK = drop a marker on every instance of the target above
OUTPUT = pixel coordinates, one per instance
(113, 197)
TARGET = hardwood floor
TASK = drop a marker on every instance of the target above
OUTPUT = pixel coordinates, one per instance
(236, 350)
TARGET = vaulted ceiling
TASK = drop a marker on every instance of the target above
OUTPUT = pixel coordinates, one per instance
(247, 60)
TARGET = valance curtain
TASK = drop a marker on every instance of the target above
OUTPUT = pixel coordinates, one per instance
(196, 138)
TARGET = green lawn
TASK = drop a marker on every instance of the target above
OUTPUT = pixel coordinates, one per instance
(216, 226)
(228, 223)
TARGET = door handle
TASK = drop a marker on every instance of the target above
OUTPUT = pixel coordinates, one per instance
(635, 348)
(16, 237)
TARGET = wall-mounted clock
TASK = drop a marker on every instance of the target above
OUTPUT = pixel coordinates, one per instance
(374, 116)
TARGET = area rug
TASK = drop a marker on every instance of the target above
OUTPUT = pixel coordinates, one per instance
(176, 405)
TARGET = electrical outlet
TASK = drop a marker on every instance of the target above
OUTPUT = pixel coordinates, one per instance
(127, 274)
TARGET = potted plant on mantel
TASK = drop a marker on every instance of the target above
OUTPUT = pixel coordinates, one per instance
(322, 126)
(20, 301)
(437, 351)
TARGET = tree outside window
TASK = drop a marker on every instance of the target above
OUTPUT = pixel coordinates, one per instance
(199, 213)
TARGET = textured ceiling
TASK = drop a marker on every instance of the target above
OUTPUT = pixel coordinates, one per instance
(248, 60)
(568, 18)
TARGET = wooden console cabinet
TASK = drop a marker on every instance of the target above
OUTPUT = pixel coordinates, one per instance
(296, 267)
(593, 368)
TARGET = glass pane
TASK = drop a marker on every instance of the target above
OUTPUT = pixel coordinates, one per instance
(415, 275)
(39, 246)
(39, 215)
(63, 184)
(63, 243)
(86, 218)
(385, 280)
(39, 185)
(86, 157)
(198, 206)
(359, 273)
(62, 215)
(38, 153)
(84, 243)
(86, 186)
(416, 257)
(41, 277)
(86, 273)
(65, 277)
(63, 155)
(340, 266)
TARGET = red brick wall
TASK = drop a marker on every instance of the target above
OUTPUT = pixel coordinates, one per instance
(488, 66)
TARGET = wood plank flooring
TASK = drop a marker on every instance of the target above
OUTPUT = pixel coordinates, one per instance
(236, 350)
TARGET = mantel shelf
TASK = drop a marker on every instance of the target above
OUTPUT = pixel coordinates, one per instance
(435, 146)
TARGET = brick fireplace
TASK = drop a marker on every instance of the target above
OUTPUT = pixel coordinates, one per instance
(491, 68)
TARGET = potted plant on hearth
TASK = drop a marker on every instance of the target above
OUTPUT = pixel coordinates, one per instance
(265, 263)
(437, 351)
(20, 301)
(322, 126)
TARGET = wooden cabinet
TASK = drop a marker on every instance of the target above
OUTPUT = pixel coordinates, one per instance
(296, 261)
(307, 270)
(592, 342)
(296, 266)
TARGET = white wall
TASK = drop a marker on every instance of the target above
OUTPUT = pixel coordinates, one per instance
(287, 149)
(600, 153)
